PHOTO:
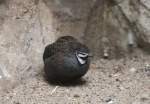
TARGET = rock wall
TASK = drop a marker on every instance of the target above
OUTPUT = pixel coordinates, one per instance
(118, 27)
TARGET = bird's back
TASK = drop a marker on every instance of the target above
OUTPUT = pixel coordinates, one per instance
(64, 44)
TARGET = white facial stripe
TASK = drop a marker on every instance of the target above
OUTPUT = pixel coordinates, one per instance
(81, 61)
(82, 55)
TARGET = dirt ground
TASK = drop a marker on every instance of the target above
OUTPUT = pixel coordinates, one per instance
(123, 81)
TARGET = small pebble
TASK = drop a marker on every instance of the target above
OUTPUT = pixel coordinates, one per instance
(106, 55)
(117, 80)
(121, 88)
(116, 75)
(76, 96)
(17, 103)
(143, 99)
(133, 70)
(109, 101)
(136, 102)
(147, 67)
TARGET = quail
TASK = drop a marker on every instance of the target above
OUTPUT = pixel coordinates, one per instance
(66, 59)
(62, 44)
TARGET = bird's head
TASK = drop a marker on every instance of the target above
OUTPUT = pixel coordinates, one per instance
(82, 57)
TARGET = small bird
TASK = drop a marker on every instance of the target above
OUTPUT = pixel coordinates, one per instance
(66, 59)
(62, 44)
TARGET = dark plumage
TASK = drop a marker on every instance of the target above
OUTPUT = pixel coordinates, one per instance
(66, 59)
(64, 68)
(64, 44)
(66, 39)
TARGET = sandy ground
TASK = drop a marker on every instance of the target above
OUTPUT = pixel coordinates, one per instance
(124, 81)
